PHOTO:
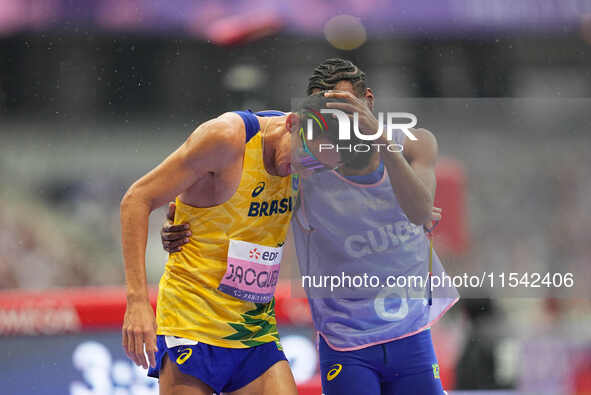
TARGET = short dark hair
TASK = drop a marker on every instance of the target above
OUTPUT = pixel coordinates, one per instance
(333, 70)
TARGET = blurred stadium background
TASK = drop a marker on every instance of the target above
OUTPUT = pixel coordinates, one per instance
(95, 93)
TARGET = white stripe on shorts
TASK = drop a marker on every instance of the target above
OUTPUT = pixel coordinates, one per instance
(173, 341)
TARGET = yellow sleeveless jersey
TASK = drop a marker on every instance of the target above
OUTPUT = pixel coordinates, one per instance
(189, 302)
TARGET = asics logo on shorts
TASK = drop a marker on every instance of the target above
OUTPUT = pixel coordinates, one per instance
(334, 371)
(185, 354)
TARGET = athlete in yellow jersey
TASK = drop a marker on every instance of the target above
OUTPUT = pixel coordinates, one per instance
(215, 317)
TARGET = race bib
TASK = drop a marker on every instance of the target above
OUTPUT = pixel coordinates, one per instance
(252, 271)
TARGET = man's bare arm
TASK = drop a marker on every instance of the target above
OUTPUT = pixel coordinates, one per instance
(205, 151)
(412, 175)
(208, 150)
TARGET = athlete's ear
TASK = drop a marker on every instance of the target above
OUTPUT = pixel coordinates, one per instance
(292, 122)
(369, 98)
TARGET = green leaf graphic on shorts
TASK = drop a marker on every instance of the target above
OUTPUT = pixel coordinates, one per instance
(263, 316)
(242, 332)
(253, 343)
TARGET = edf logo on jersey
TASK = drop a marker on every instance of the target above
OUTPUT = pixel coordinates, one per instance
(268, 207)
(267, 255)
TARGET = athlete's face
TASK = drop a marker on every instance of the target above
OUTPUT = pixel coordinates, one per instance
(313, 148)
(317, 154)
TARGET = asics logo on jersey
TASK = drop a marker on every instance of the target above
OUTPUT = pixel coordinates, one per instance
(259, 188)
(334, 371)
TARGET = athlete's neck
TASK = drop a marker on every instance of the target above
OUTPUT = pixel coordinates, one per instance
(272, 131)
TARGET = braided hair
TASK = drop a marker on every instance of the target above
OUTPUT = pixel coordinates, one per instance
(333, 70)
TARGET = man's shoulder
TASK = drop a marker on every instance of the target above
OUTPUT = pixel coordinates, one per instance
(424, 137)
(422, 133)
(425, 145)
(228, 127)
(219, 140)
(225, 131)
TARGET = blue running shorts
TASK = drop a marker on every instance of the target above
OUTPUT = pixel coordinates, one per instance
(223, 369)
(407, 366)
